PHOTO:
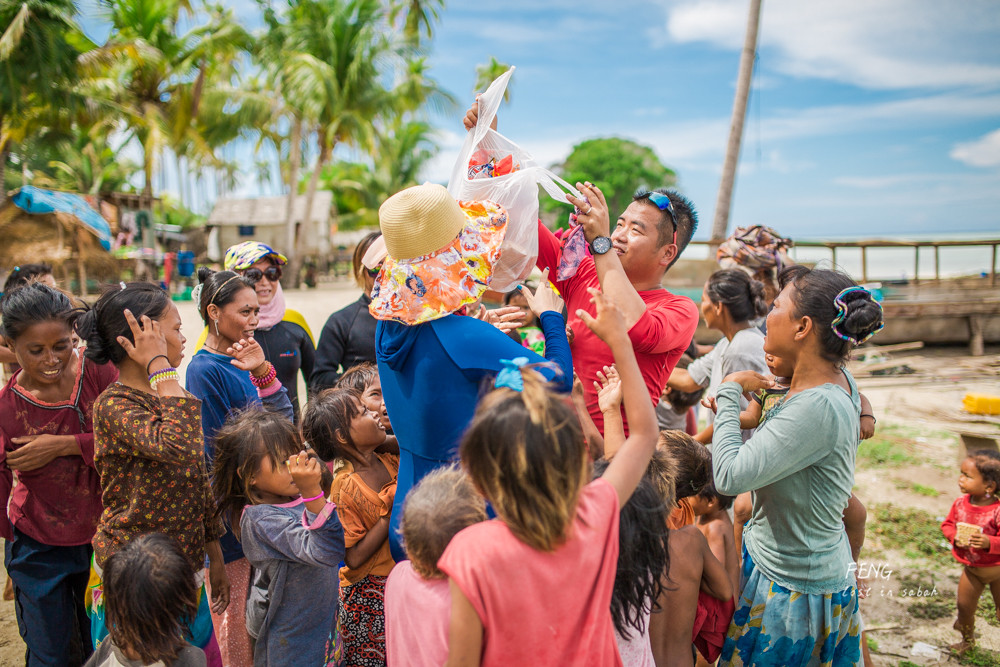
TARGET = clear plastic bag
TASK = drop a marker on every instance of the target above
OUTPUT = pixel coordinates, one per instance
(516, 191)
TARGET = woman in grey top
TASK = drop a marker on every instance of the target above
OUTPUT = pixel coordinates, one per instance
(800, 466)
(729, 303)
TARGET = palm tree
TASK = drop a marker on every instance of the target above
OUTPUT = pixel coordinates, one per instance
(158, 81)
(419, 13)
(487, 73)
(38, 51)
(89, 163)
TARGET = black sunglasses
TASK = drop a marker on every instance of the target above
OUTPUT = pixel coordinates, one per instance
(662, 202)
(272, 273)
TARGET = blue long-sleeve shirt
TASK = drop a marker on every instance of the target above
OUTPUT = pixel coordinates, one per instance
(800, 466)
(434, 374)
(292, 608)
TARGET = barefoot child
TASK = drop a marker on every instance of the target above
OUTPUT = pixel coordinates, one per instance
(340, 428)
(443, 503)
(149, 590)
(268, 488)
(549, 559)
(972, 527)
(712, 510)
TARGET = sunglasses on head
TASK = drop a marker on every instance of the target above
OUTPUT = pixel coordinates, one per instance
(662, 202)
(272, 273)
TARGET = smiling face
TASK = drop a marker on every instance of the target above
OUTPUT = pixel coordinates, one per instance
(45, 352)
(636, 239)
(274, 480)
(372, 400)
(367, 431)
(264, 287)
(237, 319)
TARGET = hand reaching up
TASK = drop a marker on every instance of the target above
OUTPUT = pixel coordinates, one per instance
(609, 389)
(545, 298)
(609, 325)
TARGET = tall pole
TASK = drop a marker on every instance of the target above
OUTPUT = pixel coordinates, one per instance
(720, 226)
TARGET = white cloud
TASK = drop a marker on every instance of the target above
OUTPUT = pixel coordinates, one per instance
(981, 152)
(890, 44)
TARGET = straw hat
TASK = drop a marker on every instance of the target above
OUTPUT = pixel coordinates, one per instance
(440, 253)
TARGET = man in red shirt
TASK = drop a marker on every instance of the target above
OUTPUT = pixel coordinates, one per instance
(628, 265)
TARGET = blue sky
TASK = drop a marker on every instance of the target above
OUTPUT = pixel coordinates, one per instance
(867, 117)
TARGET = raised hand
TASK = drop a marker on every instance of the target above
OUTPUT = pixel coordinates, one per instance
(306, 472)
(609, 323)
(149, 341)
(593, 212)
(609, 389)
(545, 298)
(247, 355)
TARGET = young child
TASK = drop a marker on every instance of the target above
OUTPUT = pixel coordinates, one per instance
(149, 590)
(363, 378)
(549, 560)
(269, 489)
(694, 473)
(972, 527)
(529, 333)
(712, 511)
(695, 605)
(340, 428)
(674, 412)
(643, 563)
(443, 503)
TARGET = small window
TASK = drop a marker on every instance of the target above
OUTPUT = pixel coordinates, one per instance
(247, 230)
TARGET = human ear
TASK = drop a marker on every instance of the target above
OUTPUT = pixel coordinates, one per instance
(213, 311)
(803, 327)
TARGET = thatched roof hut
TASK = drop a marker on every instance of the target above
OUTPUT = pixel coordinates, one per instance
(55, 237)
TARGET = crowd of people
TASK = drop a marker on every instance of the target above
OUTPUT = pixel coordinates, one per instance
(462, 486)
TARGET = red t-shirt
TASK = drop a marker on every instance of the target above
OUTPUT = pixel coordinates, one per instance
(58, 504)
(543, 608)
(659, 337)
(986, 517)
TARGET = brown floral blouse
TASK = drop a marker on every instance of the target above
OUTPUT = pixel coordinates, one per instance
(150, 455)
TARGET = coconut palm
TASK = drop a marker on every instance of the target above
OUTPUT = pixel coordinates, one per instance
(487, 73)
(419, 14)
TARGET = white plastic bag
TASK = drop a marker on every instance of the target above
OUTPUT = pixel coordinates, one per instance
(517, 191)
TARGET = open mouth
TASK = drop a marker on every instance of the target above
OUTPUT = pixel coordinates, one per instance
(52, 373)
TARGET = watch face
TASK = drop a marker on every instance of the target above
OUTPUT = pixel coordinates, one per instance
(601, 245)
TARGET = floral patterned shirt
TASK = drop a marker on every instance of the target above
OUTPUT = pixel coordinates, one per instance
(150, 454)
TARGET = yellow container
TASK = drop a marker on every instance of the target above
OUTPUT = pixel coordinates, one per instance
(981, 404)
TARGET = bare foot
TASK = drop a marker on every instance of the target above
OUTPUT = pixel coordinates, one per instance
(961, 647)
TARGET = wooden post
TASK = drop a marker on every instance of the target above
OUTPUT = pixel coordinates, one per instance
(937, 262)
(993, 267)
(976, 324)
(916, 264)
(864, 263)
(833, 251)
(81, 267)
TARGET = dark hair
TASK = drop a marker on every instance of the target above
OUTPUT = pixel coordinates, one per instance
(357, 377)
(30, 304)
(814, 297)
(327, 419)
(101, 325)
(988, 464)
(219, 288)
(711, 493)
(149, 596)
(358, 269)
(742, 296)
(643, 555)
(247, 438)
(682, 401)
(684, 216)
(693, 461)
(24, 274)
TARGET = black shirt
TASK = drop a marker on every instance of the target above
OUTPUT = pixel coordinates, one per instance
(348, 339)
(289, 347)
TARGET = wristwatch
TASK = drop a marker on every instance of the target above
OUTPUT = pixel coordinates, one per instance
(600, 245)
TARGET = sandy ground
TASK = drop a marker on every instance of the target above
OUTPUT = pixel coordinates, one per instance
(926, 480)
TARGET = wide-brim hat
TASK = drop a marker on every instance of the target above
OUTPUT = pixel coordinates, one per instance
(244, 255)
(440, 254)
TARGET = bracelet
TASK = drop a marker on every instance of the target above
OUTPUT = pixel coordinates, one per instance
(266, 379)
(309, 500)
(865, 414)
(166, 375)
(154, 359)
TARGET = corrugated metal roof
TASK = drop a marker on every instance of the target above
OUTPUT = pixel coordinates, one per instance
(262, 211)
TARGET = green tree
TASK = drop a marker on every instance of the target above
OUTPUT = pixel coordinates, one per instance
(38, 51)
(617, 166)
(487, 73)
(418, 14)
(89, 163)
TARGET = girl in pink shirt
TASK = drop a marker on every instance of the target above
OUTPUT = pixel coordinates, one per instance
(534, 585)
(417, 599)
